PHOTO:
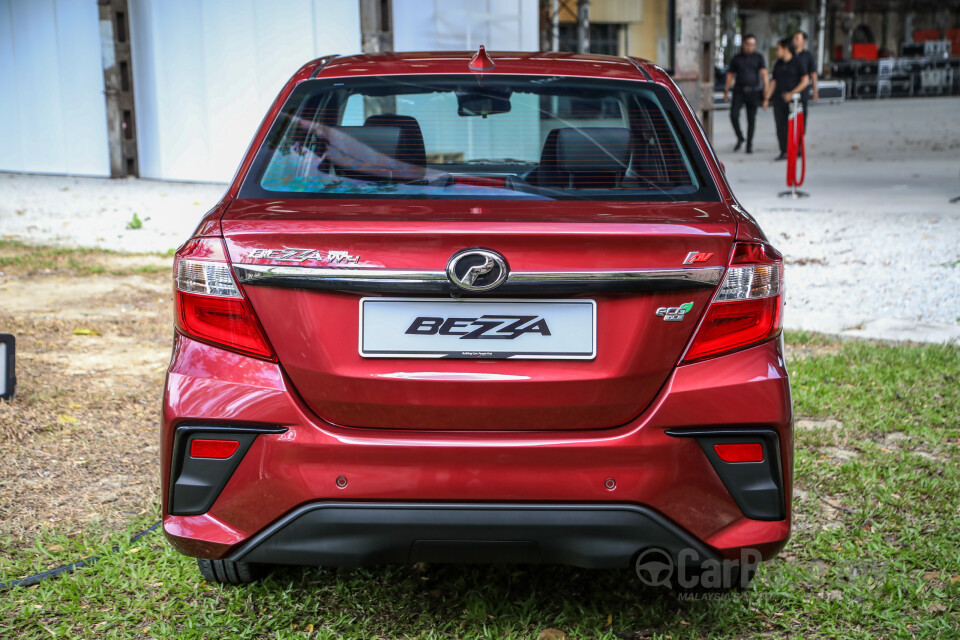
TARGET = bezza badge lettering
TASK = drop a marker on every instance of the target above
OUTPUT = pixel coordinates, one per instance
(303, 255)
(486, 327)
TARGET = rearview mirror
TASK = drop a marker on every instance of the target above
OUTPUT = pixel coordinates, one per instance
(482, 104)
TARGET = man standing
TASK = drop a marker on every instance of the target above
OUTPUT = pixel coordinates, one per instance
(748, 75)
(809, 67)
(788, 79)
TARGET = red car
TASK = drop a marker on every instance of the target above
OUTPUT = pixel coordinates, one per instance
(481, 307)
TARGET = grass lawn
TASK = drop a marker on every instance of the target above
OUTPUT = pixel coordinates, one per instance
(875, 550)
(20, 257)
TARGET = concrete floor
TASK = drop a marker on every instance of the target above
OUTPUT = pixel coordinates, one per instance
(874, 156)
(873, 252)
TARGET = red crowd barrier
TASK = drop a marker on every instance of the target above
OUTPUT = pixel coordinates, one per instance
(795, 142)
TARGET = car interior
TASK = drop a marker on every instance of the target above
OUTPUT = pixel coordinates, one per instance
(389, 149)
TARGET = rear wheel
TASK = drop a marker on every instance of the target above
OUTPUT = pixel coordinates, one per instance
(229, 572)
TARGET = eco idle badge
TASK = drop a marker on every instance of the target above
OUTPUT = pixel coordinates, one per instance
(675, 314)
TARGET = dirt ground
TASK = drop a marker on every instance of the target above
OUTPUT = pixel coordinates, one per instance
(80, 439)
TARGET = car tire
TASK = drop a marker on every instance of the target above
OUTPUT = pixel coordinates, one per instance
(229, 572)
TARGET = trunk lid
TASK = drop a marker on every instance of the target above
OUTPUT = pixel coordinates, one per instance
(316, 332)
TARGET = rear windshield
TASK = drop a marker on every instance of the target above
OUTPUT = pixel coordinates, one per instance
(470, 137)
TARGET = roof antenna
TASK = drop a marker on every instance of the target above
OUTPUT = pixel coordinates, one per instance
(481, 61)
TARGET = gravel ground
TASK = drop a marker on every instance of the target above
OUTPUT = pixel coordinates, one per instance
(80, 438)
(95, 212)
(874, 252)
(847, 269)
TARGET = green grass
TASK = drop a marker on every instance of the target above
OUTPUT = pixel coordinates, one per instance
(874, 551)
(26, 258)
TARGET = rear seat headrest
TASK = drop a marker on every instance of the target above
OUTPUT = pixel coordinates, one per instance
(372, 154)
(584, 157)
(410, 147)
(593, 150)
(385, 140)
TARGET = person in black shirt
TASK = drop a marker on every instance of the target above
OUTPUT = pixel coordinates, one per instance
(788, 79)
(748, 75)
(809, 66)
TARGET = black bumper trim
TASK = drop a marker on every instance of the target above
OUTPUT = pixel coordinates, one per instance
(359, 533)
(195, 484)
(756, 487)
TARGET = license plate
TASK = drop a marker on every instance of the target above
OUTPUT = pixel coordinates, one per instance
(478, 329)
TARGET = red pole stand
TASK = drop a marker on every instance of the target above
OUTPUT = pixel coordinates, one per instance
(800, 126)
(792, 150)
(795, 133)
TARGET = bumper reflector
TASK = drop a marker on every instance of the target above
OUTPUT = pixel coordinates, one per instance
(757, 485)
(740, 452)
(217, 449)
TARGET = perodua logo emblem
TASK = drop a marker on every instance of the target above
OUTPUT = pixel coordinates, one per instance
(477, 269)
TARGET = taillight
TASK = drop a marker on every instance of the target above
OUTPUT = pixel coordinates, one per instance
(747, 308)
(209, 305)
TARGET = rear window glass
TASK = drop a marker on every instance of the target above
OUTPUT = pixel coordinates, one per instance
(469, 137)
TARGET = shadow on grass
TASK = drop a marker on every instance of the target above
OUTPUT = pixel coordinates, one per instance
(503, 601)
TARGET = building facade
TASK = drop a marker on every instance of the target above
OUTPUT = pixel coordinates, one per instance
(173, 89)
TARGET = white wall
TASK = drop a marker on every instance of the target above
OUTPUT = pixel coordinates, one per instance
(205, 74)
(52, 112)
(455, 25)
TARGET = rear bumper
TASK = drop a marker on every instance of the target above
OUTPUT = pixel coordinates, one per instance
(656, 477)
(355, 534)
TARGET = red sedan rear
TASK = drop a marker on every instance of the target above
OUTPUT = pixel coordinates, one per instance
(489, 308)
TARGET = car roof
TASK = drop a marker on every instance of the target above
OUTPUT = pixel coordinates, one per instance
(506, 62)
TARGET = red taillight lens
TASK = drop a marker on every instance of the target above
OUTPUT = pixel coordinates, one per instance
(747, 308)
(734, 325)
(228, 322)
(217, 449)
(210, 306)
(741, 452)
(755, 253)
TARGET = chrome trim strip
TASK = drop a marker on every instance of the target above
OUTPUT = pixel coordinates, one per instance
(250, 273)
(705, 275)
(392, 281)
